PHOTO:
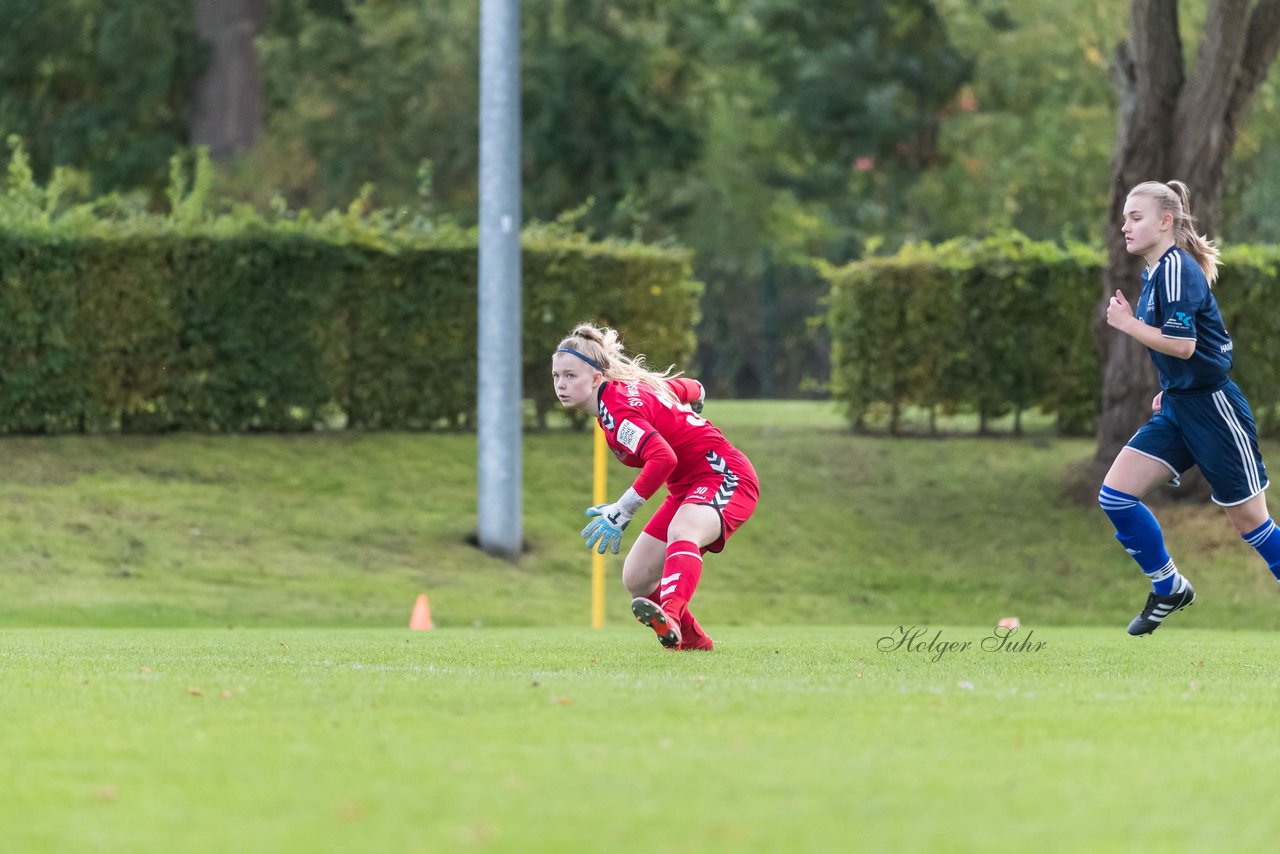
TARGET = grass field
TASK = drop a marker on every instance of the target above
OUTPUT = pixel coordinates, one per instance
(203, 647)
(346, 529)
(783, 739)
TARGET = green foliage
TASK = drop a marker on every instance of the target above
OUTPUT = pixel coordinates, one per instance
(994, 325)
(905, 70)
(111, 320)
(761, 135)
(188, 203)
(614, 107)
(1027, 144)
(280, 331)
(1005, 324)
(104, 85)
(1246, 296)
(728, 127)
(804, 96)
(611, 101)
(365, 93)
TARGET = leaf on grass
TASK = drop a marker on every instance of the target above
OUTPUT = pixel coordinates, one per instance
(561, 701)
(194, 691)
(144, 669)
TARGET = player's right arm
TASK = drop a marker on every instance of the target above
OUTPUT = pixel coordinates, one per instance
(635, 434)
(1120, 316)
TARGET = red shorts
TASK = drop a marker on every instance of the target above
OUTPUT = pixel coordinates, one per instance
(728, 483)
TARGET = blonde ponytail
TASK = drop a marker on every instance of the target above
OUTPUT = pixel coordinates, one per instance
(600, 347)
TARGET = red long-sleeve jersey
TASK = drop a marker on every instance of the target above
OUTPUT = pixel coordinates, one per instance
(663, 438)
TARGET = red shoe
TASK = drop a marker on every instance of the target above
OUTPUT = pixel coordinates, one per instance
(701, 644)
(651, 614)
(692, 635)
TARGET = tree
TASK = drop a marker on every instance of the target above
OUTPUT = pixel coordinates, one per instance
(228, 104)
(102, 85)
(615, 109)
(1037, 113)
(1172, 125)
(824, 116)
(860, 88)
(384, 94)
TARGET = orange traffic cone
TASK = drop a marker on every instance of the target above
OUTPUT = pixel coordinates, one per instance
(421, 619)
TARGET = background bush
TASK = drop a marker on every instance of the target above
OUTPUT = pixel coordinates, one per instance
(112, 318)
(1005, 324)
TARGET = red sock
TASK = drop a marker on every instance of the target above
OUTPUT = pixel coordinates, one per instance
(680, 575)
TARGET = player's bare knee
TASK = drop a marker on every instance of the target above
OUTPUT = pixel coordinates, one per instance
(633, 589)
(640, 581)
(1246, 521)
(1250, 515)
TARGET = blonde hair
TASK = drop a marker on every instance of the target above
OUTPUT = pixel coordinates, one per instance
(600, 347)
(1174, 198)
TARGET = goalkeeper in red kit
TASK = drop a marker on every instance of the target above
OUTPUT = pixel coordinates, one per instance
(652, 422)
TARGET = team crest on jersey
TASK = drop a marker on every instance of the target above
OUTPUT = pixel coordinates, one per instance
(629, 435)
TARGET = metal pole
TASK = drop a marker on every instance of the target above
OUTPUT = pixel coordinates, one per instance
(500, 526)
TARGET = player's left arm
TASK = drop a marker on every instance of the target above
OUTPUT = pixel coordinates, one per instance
(688, 391)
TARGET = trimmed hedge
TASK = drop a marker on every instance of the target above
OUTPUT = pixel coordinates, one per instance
(1005, 324)
(154, 325)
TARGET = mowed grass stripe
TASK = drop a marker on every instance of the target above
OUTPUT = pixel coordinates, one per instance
(811, 739)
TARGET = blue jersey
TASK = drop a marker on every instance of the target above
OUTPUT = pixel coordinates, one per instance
(1176, 299)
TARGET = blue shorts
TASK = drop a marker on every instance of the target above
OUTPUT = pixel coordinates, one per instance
(1213, 430)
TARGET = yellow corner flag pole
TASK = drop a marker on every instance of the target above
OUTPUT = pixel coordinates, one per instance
(597, 559)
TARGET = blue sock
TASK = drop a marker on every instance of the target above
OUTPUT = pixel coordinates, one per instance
(1140, 534)
(1265, 539)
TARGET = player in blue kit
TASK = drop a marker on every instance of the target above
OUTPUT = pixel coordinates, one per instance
(1200, 417)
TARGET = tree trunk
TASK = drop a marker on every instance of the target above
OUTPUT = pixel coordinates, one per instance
(229, 100)
(1171, 126)
(1148, 75)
